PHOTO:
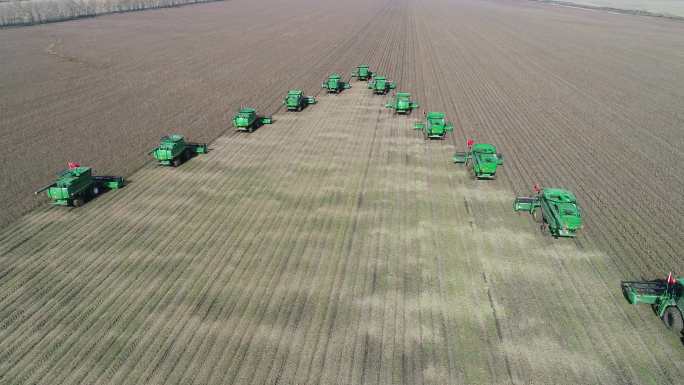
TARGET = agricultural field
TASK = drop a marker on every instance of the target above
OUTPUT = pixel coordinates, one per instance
(336, 245)
(667, 8)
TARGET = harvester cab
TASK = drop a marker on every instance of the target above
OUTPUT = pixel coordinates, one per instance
(247, 120)
(556, 209)
(296, 101)
(435, 125)
(666, 297)
(76, 185)
(380, 85)
(174, 150)
(362, 72)
(482, 158)
(334, 84)
(402, 103)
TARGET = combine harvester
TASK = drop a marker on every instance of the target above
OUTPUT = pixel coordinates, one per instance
(334, 84)
(402, 103)
(362, 72)
(76, 185)
(380, 85)
(482, 158)
(296, 101)
(665, 297)
(247, 120)
(555, 208)
(435, 126)
(174, 150)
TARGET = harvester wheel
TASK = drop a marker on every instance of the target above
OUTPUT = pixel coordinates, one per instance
(78, 202)
(176, 162)
(96, 191)
(673, 319)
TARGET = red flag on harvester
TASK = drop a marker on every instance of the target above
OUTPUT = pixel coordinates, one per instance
(73, 165)
(671, 279)
(536, 188)
(470, 142)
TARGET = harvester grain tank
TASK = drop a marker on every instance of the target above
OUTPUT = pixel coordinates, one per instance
(380, 85)
(435, 126)
(666, 297)
(174, 150)
(402, 103)
(334, 84)
(77, 184)
(362, 72)
(556, 209)
(296, 101)
(482, 158)
(247, 120)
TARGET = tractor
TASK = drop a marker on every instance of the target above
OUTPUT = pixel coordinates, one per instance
(334, 84)
(247, 120)
(402, 104)
(296, 101)
(554, 208)
(380, 85)
(362, 72)
(174, 150)
(76, 185)
(435, 125)
(482, 158)
(666, 297)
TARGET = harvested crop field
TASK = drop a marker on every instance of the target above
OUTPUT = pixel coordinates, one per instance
(336, 245)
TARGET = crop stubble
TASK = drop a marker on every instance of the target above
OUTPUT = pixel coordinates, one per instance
(337, 246)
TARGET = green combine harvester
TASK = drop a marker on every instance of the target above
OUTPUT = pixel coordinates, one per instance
(174, 150)
(402, 103)
(666, 297)
(556, 209)
(380, 85)
(482, 158)
(362, 72)
(435, 125)
(296, 101)
(76, 185)
(247, 120)
(334, 84)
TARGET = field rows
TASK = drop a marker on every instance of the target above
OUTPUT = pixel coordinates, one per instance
(336, 245)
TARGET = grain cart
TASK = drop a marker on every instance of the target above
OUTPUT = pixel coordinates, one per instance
(296, 101)
(247, 120)
(380, 85)
(334, 84)
(435, 125)
(482, 158)
(75, 185)
(362, 72)
(664, 296)
(556, 209)
(174, 150)
(402, 104)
